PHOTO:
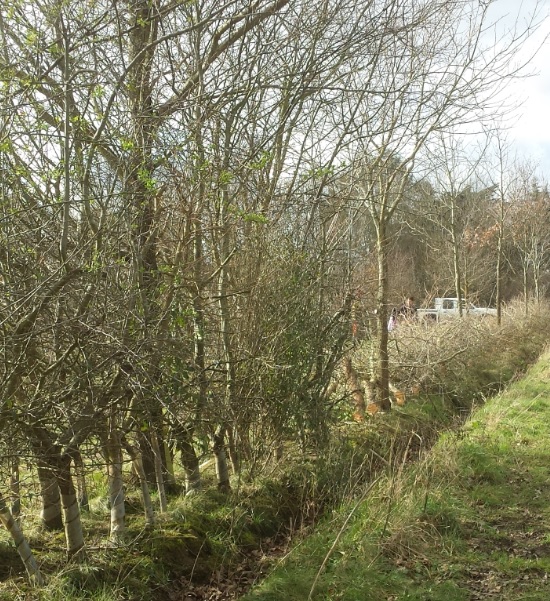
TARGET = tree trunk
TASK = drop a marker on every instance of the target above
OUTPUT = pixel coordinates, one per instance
(536, 279)
(82, 488)
(525, 289)
(147, 456)
(21, 544)
(499, 275)
(190, 463)
(147, 450)
(145, 494)
(234, 454)
(116, 487)
(159, 473)
(225, 313)
(222, 470)
(356, 390)
(15, 488)
(50, 513)
(382, 376)
(499, 255)
(456, 257)
(168, 464)
(71, 512)
(141, 190)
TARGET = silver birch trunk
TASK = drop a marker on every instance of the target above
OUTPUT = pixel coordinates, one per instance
(234, 455)
(225, 312)
(456, 257)
(500, 239)
(116, 488)
(189, 457)
(168, 464)
(145, 494)
(74, 534)
(537, 264)
(21, 544)
(382, 379)
(15, 488)
(525, 288)
(499, 268)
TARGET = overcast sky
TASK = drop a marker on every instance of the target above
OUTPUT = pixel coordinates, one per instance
(531, 130)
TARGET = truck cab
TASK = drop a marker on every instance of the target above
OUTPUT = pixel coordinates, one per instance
(449, 307)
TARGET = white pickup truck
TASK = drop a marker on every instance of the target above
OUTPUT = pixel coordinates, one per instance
(448, 307)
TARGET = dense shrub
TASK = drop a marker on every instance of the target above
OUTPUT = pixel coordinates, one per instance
(467, 359)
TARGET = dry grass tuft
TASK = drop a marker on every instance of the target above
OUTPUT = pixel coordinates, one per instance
(463, 359)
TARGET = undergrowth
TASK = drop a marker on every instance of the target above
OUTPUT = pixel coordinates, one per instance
(409, 512)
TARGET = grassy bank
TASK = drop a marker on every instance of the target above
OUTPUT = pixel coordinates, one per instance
(470, 521)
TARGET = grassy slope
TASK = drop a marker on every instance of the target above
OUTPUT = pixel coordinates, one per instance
(470, 521)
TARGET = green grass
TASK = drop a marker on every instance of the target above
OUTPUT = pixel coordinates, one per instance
(470, 521)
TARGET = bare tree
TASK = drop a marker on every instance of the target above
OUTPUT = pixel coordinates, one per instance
(434, 73)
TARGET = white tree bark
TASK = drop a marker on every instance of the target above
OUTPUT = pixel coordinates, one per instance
(21, 544)
(82, 488)
(74, 534)
(116, 488)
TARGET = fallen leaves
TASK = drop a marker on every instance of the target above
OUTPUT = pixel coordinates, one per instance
(231, 583)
